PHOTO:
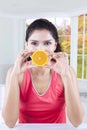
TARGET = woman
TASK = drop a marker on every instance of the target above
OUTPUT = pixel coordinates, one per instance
(42, 94)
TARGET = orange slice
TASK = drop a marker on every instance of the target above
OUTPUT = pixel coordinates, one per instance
(39, 58)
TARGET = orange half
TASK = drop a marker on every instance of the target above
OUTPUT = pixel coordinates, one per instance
(39, 58)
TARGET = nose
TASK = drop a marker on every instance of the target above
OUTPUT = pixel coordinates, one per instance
(40, 47)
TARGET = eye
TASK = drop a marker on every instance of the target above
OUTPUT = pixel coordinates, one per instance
(34, 43)
(47, 43)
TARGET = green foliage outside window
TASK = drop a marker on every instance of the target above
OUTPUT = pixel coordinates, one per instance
(82, 46)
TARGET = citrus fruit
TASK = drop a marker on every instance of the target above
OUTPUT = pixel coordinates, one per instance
(39, 58)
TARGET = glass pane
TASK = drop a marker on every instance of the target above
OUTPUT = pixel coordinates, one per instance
(86, 24)
(68, 30)
(63, 26)
(80, 24)
(80, 44)
(69, 58)
(65, 43)
(29, 21)
(60, 31)
(85, 67)
(85, 46)
(79, 66)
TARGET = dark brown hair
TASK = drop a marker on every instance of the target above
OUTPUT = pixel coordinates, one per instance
(40, 24)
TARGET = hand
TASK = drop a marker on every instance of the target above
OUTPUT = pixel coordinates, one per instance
(61, 65)
(20, 64)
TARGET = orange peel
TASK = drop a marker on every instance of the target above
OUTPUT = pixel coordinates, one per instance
(39, 58)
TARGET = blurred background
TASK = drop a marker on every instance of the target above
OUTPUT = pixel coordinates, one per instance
(70, 18)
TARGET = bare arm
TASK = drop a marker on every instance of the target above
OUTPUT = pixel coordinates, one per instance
(11, 104)
(72, 98)
(10, 110)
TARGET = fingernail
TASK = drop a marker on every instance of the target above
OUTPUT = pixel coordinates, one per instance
(27, 62)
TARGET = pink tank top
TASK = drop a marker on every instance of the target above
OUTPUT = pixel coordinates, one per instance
(46, 108)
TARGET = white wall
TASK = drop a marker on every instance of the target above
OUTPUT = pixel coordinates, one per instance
(12, 33)
(6, 39)
(82, 85)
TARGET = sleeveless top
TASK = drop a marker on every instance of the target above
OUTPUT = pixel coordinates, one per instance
(46, 108)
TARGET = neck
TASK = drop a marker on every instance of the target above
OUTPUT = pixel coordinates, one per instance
(39, 71)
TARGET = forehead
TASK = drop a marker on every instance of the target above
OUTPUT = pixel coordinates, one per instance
(40, 34)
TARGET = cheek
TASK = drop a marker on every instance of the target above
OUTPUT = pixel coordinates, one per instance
(31, 48)
(50, 48)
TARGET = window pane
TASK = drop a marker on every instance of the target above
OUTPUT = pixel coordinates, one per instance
(79, 66)
(29, 21)
(68, 30)
(85, 67)
(85, 46)
(80, 44)
(86, 24)
(65, 43)
(80, 24)
(64, 32)
(60, 31)
(63, 26)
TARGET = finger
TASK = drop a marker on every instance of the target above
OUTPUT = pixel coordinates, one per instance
(65, 54)
(49, 65)
(60, 55)
(49, 53)
(32, 66)
(25, 55)
(24, 52)
(27, 67)
(56, 55)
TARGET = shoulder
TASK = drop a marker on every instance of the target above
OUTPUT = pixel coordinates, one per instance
(9, 71)
(57, 79)
(20, 76)
(24, 76)
(20, 79)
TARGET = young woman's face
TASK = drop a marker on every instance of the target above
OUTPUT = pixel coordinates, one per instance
(41, 40)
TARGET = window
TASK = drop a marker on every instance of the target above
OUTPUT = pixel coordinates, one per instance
(82, 47)
(64, 31)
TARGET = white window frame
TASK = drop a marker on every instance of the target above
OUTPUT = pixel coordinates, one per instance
(74, 40)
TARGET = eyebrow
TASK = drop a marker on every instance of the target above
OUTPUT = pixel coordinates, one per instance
(43, 41)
